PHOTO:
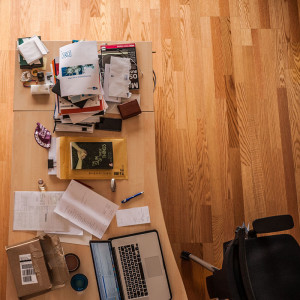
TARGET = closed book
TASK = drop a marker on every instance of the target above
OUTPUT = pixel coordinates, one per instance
(91, 155)
(115, 162)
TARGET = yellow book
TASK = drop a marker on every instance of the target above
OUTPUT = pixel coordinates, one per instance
(115, 168)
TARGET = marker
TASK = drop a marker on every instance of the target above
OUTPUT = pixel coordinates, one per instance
(127, 199)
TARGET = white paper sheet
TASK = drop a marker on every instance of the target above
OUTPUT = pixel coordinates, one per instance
(79, 69)
(133, 216)
(32, 49)
(106, 86)
(119, 77)
(76, 239)
(35, 211)
(79, 118)
(86, 209)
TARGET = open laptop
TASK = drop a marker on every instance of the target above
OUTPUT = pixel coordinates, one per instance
(131, 267)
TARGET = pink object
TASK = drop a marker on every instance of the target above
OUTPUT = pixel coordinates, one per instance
(42, 136)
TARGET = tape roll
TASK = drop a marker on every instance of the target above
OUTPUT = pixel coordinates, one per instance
(40, 89)
(34, 72)
(26, 76)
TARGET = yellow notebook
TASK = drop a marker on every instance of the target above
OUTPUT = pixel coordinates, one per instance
(117, 169)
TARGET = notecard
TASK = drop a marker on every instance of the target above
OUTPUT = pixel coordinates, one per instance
(133, 216)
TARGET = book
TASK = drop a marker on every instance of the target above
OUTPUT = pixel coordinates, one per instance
(64, 163)
(23, 63)
(120, 50)
(91, 155)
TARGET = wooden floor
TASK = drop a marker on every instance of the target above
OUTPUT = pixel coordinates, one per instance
(227, 107)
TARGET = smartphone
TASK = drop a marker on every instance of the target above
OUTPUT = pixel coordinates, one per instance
(109, 124)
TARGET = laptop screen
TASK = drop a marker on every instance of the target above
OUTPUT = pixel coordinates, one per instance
(105, 270)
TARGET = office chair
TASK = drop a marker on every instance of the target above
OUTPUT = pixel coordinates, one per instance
(257, 268)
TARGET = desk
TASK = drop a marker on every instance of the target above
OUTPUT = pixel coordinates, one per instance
(30, 163)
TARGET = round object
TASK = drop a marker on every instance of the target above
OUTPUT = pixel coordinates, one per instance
(41, 184)
(73, 262)
(34, 72)
(26, 76)
(79, 282)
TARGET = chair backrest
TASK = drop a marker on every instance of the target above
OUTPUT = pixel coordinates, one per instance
(250, 263)
(232, 281)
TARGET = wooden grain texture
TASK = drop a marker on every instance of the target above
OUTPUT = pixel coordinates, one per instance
(227, 107)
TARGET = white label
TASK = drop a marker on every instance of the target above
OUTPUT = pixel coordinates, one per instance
(28, 275)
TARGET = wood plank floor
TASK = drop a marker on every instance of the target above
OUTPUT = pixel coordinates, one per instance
(227, 108)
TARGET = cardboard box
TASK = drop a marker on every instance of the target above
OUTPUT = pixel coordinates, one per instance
(37, 265)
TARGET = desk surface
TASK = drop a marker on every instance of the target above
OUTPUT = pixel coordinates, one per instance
(29, 164)
(26, 101)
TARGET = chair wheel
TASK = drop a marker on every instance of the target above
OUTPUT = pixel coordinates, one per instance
(185, 255)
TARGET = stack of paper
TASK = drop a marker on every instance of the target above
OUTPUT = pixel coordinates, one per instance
(74, 212)
(82, 95)
(32, 49)
(79, 97)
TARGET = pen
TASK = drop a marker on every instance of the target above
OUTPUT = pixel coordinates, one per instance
(129, 198)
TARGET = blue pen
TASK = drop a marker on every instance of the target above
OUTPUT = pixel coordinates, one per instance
(127, 199)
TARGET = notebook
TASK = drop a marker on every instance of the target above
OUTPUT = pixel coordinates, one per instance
(131, 267)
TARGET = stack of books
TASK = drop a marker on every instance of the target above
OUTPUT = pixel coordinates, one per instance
(77, 112)
(74, 71)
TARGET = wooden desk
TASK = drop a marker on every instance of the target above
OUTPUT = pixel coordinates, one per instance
(25, 101)
(30, 163)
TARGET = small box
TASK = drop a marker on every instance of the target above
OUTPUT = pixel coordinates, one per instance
(37, 265)
(129, 109)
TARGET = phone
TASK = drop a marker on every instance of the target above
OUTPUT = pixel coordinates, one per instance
(109, 124)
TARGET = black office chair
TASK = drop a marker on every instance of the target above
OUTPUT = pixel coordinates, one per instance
(257, 268)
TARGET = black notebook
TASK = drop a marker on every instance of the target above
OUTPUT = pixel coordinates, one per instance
(91, 155)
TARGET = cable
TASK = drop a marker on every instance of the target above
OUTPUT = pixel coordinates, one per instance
(154, 81)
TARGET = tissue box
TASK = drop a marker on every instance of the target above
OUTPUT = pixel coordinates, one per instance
(37, 265)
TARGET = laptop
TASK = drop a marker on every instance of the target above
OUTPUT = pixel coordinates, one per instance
(131, 267)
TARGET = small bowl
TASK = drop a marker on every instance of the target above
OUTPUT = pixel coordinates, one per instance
(73, 262)
(79, 282)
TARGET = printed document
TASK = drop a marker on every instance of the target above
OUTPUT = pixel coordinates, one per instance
(86, 209)
(79, 69)
(35, 211)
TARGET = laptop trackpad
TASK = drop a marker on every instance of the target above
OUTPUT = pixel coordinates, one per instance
(153, 266)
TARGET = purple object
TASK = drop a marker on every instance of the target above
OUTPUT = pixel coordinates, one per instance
(42, 136)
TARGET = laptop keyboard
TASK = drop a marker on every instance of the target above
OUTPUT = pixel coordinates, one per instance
(133, 271)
